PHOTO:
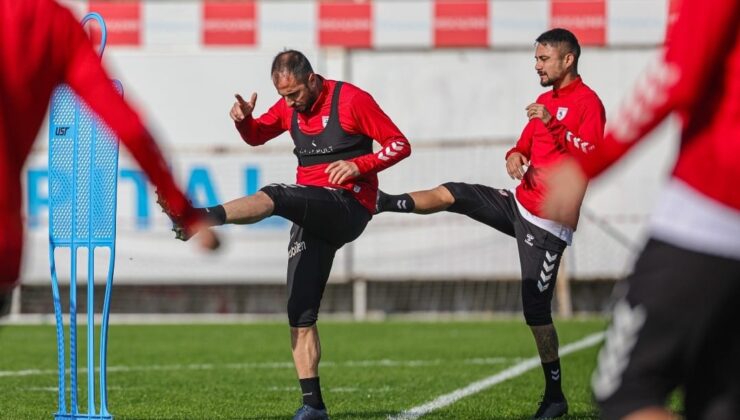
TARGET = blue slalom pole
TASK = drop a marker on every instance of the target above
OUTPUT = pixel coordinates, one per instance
(83, 188)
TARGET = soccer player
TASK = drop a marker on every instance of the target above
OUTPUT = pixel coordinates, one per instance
(42, 45)
(332, 124)
(676, 325)
(568, 119)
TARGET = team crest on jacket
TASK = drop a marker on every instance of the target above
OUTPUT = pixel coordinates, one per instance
(562, 112)
(324, 120)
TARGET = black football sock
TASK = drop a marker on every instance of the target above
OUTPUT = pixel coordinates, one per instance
(215, 216)
(402, 203)
(312, 393)
(553, 390)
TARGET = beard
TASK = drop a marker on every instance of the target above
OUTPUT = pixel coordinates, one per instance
(310, 99)
(546, 82)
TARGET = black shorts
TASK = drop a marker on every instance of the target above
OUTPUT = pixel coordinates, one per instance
(539, 250)
(677, 325)
(324, 219)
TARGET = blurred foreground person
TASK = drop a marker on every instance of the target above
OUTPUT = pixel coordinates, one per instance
(676, 324)
(41, 46)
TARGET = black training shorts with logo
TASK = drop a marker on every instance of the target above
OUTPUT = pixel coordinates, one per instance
(539, 250)
(675, 325)
(324, 219)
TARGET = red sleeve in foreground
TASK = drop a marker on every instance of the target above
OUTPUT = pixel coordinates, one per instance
(698, 39)
(84, 73)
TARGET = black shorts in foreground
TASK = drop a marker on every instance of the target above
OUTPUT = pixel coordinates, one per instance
(677, 326)
(324, 219)
(539, 250)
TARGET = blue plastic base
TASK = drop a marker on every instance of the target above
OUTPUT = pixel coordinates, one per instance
(67, 416)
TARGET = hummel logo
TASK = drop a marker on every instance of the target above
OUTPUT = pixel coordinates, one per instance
(296, 249)
(621, 338)
(401, 204)
(546, 273)
(555, 374)
(544, 282)
(529, 240)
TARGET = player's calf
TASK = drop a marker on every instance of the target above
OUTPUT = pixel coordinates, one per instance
(420, 202)
(432, 201)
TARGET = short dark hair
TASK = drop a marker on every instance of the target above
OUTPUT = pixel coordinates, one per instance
(292, 62)
(562, 39)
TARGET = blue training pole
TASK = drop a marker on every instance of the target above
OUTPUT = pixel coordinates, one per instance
(83, 184)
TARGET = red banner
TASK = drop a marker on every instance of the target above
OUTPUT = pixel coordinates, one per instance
(461, 23)
(345, 24)
(585, 18)
(229, 22)
(122, 20)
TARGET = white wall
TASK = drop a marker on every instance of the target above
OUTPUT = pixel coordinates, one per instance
(461, 110)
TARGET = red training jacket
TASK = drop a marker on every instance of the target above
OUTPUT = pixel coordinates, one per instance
(576, 128)
(358, 114)
(697, 78)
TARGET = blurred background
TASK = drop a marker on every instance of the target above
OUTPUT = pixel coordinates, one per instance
(455, 76)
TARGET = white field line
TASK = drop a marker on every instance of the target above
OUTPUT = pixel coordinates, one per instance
(478, 386)
(56, 389)
(384, 389)
(266, 365)
(346, 390)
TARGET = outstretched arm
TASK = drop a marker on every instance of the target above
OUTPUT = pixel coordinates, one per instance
(81, 69)
(692, 59)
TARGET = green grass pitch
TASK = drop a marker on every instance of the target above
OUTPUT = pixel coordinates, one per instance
(244, 371)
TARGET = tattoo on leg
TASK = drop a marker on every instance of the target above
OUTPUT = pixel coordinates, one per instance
(547, 342)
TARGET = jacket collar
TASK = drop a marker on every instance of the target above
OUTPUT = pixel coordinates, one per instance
(570, 88)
